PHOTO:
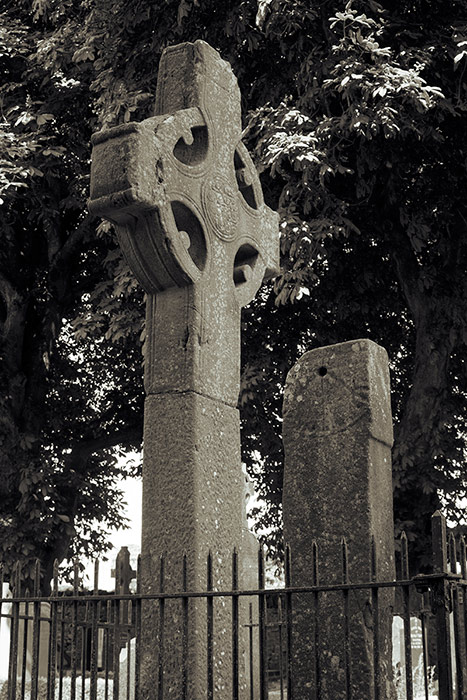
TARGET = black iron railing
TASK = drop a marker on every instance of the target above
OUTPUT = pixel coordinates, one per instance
(76, 645)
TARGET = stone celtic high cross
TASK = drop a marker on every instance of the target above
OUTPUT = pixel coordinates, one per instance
(187, 203)
(188, 208)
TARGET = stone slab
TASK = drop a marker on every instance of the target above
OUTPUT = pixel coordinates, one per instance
(337, 435)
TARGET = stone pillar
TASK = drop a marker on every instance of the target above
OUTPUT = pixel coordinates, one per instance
(338, 435)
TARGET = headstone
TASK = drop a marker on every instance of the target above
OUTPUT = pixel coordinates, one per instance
(187, 204)
(337, 484)
(26, 638)
(127, 671)
(123, 572)
(5, 612)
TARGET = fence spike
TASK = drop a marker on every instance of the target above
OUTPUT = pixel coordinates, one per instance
(209, 571)
(260, 566)
(404, 557)
(138, 574)
(184, 573)
(161, 573)
(373, 565)
(463, 556)
(17, 579)
(55, 578)
(234, 569)
(439, 544)
(75, 577)
(452, 553)
(37, 578)
(96, 577)
(345, 561)
(288, 566)
(315, 563)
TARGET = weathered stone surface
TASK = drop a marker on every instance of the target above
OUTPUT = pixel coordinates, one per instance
(187, 204)
(337, 483)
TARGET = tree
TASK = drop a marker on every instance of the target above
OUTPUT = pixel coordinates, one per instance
(367, 156)
(356, 116)
(61, 408)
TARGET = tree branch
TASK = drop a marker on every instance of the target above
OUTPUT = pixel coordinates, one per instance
(71, 245)
(131, 434)
(408, 270)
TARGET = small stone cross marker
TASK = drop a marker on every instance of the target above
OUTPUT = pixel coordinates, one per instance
(123, 572)
(188, 208)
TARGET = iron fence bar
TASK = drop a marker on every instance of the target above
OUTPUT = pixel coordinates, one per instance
(281, 647)
(84, 648)
(457, 622)
(210, 631)
(52, 636)
(95, 610)
(138, 614)
(128, 667)
(250, 651)
(315, 580)
(463, 559)
(406, 619)
(106, 649)
(116, 650)
(418, 580)
(13, 660)
(184, 630)
(235, 627)
(263, 690)
(62, 648)
(425, 650)
(160, 673)
(441, 601)
(375, 616)
(288, 605)
(74, 632)
(2, 581)
(345, 593)
(24, 655)
(463, 563)
(36, 633)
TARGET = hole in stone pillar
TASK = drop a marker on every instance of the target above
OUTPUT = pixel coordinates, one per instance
(243, 181)
(244, 263)
(194, 153)
(323, 371)
(192, 233)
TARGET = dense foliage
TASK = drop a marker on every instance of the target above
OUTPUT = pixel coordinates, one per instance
(61, 410)
(356, 115)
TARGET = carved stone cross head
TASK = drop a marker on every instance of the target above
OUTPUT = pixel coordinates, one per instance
(181, 187)
(188, 208)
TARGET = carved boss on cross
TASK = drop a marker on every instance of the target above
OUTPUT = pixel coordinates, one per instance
(181, 188)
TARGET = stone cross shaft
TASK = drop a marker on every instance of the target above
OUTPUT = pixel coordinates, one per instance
(187, 204)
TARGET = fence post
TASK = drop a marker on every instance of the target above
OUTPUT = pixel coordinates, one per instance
(442, 606)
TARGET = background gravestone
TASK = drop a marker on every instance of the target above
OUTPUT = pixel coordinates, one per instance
(187, 204)
(337, 435)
